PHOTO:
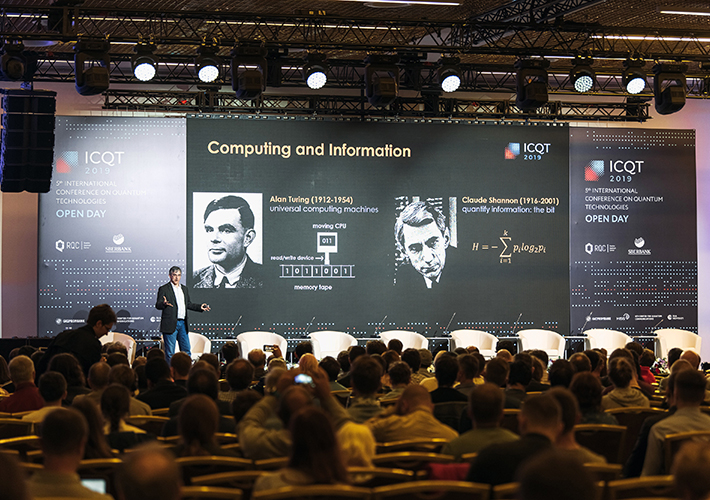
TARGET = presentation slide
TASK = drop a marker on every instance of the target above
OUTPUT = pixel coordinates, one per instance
(633, 230)
(303, 225)
(113, 222)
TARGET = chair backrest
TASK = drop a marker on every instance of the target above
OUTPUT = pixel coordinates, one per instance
(330, 343)
(433, 445)
(201, 466)
(607, 339)
(632, 418)
(450, 490)
(410, 460)
(199, 345)
(506, 491)
(510, 420)
(124, 339)
(210, 493)
(13, 427)
(257, 340)
(606, 440)
(325, 491)
(668, 338)
(641, 487)
(409, 339)
(546, 340)
(485, 341)
(673, 442)
(100, 468)
(604, 472)
(241, 479)
(372, 477)
(152, 424)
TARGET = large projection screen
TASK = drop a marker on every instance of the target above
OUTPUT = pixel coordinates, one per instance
(325, 196)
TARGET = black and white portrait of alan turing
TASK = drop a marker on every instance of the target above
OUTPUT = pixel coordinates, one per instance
(425, 242)
(227, 240)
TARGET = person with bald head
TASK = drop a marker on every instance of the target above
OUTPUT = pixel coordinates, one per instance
(691, 357)
(413, 416)
(149, 473)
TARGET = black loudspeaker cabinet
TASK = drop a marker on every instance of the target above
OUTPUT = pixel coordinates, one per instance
(27, 149)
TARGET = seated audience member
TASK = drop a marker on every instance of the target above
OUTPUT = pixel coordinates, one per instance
(197, 422)
(12, 478)
(118, 347)
(304, 347)
(26, 396)
(162, 391)
(155, 352)
(212, 360)
(5, 380)
(647, 389)
(98, 381)
(96, 443)
(63, 438)
(623, 395)
(395, 345)
(691, 471)
(485, 408)
(365, 375)
(353, 353)
(148, 473)
(412, 416)
(542, 356)
(239, 374)
(505, 354)
(561, 373)
(307, 364)
(413, 358)
(538, 373)
(691, 357)
(688, 395)
(115, 404)
(587, 388)
(331, 367)
(596, 361)
(540, 424)
(69, 367)
(343, 359)
(468, 370)
(580, 362)
(180, 365)
(139, 361)
(230, 352)
(260, 437)
(315, 456)
(496, 372)
(400, 375)
(52, 389)
(117, 358)
(373, 347)
(357, 445)
(271, 365)
(425, 362)
(446, 369)
(552, 475)
(570, 417)
(243, 402)
(634, 464)
(519, 376)
(646, 361)
(507, 345)
(258, 360)
(125, 376)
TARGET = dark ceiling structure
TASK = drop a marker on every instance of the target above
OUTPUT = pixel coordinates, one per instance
(486, 38)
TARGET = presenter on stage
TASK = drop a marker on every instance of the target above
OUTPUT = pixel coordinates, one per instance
(229, 228)
(174, 301)
(423, 239)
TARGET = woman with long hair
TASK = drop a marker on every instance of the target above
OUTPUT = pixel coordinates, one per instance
(198, 422)
(115, 406)
(96, 445)
(315, 454)
(67, 364)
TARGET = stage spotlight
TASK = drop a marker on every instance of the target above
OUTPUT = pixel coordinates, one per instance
(381, 79)
(582, 75)
(448, 74)
(531, 83)
(669, 87)
(314, 69)
(95, 79)
(207, 63)
(248, 70)
(13, 63)
(633, 78)
(144, 63)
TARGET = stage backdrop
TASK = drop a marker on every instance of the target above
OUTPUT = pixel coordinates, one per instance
(633, 232)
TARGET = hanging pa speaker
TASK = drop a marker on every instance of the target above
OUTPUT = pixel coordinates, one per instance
(27, 149)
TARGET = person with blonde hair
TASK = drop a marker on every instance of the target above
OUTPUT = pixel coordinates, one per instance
(308, 364)
(357, 445)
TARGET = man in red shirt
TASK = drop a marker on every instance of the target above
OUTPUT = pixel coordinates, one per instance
(26, 396)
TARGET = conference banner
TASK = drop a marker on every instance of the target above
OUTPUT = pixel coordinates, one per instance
(633, 230)
(303, 225)
(113, 222)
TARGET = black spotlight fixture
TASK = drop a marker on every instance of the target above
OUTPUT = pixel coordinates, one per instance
(582, 75)
(381, 79)
(633, 77)
(448, 74)
(249, 69)
(669, 87)
(531, 83)
(13, 63)
(207, 63)
(314, 70)
(94, 79)
(144, 63)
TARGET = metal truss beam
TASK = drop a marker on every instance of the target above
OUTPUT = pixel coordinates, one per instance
(65, 24)
(424, 106)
